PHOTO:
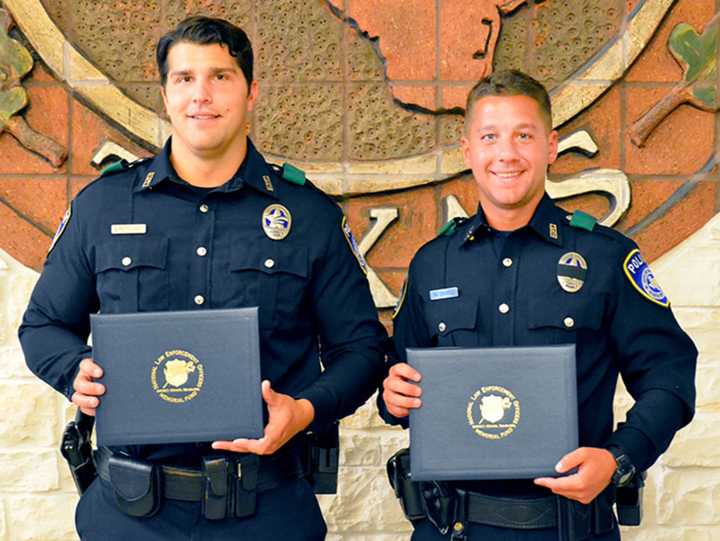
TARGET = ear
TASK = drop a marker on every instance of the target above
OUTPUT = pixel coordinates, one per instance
(252, 95)
(553, 138)
(465, 147)
(164, 97)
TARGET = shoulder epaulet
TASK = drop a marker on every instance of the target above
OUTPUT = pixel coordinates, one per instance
(582, 220)
(120, 165)
(293, 174)
(449, 228)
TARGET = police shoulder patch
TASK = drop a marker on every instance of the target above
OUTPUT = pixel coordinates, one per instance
(642, 278)
(61, 228)
(401, 299)
(354, 248)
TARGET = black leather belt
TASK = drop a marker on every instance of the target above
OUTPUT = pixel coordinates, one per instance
(503, 512)
(186, 484)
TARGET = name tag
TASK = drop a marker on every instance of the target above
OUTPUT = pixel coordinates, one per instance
(128, 229)
(447, 293)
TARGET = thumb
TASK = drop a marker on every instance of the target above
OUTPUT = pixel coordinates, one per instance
(268, 394)
(570, 461)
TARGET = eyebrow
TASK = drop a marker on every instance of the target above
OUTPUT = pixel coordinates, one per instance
(213, 71)
(524, 125)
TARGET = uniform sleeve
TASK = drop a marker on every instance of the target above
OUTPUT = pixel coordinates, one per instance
(56, 324)
(409, 330)
(657, 364)
(351, 337)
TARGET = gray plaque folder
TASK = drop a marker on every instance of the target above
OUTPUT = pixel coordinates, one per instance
(493, 413)
(174, 377)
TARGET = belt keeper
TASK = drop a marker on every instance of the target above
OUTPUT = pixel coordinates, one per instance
(217, 495)
(246, 486)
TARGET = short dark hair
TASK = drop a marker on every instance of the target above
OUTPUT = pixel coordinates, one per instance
(207, 31)
(510, 83)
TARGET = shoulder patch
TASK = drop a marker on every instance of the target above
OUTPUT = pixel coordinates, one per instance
(61, 228)
(642, 278)
(293, 174)
(582, 220)
(401, 299)
(354, 248)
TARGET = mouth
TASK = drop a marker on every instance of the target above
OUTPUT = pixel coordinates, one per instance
(508, 175)
(203, 116)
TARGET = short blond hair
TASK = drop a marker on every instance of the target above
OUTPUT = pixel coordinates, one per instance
(510, 83)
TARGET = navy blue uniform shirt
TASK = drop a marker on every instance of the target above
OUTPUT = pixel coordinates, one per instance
(205, 249)
(510, 295)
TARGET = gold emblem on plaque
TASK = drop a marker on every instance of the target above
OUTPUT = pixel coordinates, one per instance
(493, 412)
(177, 376)
(276, 221)
(571, 271)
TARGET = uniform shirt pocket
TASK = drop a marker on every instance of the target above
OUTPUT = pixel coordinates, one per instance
(558, 320)
(271, 275)
(453, 322)
(131, 275)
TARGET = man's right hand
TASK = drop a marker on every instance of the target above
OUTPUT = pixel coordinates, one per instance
(87, 391)
(399, 390)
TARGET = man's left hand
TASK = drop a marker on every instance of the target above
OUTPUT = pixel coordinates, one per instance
(595, 470)
(287, 417)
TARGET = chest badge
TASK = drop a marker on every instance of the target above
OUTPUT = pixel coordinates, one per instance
(276, 222)
(571, 272)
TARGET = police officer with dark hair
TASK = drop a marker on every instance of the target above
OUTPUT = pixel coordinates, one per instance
(209, 224)
(527, 273)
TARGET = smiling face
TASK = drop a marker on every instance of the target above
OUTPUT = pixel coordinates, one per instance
(508, 145)
(207, 99)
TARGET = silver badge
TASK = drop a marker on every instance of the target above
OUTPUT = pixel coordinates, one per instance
(571, 271)
(276, 221)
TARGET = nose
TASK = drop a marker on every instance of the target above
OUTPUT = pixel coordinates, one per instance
(506, 150)
(201, 92)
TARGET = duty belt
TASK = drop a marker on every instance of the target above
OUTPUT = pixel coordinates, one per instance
(523, 514)
(187, 484)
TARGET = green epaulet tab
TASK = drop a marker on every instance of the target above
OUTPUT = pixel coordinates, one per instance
(448, 229)
(293, 174)
(114, 167)
(583, 220)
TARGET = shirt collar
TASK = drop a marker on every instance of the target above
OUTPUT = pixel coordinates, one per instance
(254, 171)
(545, 222)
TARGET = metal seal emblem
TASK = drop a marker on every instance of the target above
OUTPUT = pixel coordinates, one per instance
(571, 272)
(177, 376)
(276, 221)
(493, 412)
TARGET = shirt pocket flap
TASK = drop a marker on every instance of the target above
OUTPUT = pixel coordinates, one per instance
(566, 313)
(450, 315)
(129, 254)
(270, 259)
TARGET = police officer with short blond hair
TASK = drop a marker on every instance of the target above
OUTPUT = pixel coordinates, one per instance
(523, 272)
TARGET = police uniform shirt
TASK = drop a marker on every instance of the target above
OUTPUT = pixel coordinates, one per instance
(509, 293)
(141, 239)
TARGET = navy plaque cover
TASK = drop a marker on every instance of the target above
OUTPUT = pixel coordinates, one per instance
(174, 377)
(493, 413)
